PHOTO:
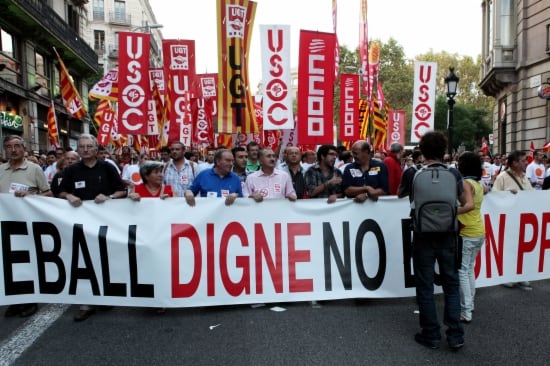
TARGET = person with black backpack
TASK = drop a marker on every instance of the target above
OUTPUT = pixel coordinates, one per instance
(434, 191)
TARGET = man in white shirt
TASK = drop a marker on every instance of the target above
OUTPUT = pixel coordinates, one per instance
(535, 170)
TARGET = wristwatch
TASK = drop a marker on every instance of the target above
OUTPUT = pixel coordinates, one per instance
(111, 197)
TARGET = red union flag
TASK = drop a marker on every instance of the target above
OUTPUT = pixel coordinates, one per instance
(423, 112)
(106, 118)
(235, 104)
(133, 82)
(207, 88)
(107, 87)
(179, 72)
(396, 128)
(276, 76)
(315, 88)
(349, 107)
(156, 76)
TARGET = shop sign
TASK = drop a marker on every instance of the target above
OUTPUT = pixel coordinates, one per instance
(544, 91)
(11, 121)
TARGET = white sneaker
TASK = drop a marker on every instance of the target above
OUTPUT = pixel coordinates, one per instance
(525, 285)
(509, 285)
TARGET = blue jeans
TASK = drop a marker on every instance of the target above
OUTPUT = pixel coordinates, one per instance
(427, 249)
(470, 249)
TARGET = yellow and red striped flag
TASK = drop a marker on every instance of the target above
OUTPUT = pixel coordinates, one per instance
(379, 124)
(53, 134)
(69, 93)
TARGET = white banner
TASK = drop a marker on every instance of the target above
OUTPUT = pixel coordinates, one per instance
(423, 112)
(277, 88)
(164, 253)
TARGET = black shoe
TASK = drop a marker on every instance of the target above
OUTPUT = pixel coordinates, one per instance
(12, 310)
(83, 315)
(423, 340)
(28, 310)
(456, 345)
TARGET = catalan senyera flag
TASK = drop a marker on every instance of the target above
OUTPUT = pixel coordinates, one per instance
(364, 114)
(69, 93)
(235, 101)
(53, 135)
(160, 115)
(379, 125)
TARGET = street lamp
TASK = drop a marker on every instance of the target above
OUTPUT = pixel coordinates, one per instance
(147, 27)
(451, 82)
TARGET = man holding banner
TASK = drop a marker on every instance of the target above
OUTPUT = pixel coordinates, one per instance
(20, 177)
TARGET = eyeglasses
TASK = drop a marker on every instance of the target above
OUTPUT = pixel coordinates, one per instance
(13, 147)
(86, 147)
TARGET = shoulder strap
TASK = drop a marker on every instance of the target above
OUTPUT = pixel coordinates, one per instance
(514, 178)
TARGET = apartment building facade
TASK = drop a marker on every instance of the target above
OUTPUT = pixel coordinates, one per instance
(106, 18)
(29, 70)
(516, 71)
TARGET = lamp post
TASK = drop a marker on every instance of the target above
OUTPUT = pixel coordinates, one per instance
(451, 83)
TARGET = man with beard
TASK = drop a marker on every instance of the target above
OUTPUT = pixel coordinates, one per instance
(323, 180)
(179, 172)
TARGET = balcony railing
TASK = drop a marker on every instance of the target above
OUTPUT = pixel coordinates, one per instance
(58, 27)
(120, 19)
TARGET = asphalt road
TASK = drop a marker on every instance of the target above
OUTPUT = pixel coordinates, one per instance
(510, 327)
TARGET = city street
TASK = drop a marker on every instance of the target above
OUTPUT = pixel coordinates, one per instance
(510, 327)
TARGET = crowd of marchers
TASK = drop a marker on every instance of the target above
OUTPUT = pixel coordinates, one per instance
(93, 173)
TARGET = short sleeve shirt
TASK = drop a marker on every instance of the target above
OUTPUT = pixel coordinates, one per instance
(376, 176)
(87, 182)
(28, 177)
(209, 184)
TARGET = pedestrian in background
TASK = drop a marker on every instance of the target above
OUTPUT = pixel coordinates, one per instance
(472, 230)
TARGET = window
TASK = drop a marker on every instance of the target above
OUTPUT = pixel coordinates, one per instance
(99, 41)
(120, 11)
(507, 23)
(9, 57)
(116, 41)
(99, 10)
(548, 38)
(42, 75)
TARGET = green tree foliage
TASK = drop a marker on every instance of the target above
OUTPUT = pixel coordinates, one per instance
(472, 110)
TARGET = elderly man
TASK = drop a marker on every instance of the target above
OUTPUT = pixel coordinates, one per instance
(269, 182)
(365, 177)
(22, 178)
(218, 181)
(90, 179)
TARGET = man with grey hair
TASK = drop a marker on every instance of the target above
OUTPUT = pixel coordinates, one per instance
(218, 181)
(90, 179)
(22, 178)
(393, 163)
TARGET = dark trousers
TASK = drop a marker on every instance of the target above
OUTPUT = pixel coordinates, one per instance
(427, 249)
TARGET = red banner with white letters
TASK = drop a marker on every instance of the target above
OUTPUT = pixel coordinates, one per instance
(396, 128)
(349, 107)
(277, 78)
(133, 82)
(315, 88)
(203, 131)
(179, 74)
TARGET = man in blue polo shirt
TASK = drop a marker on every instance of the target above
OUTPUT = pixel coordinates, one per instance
(218, 181)
(365, 177)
